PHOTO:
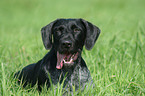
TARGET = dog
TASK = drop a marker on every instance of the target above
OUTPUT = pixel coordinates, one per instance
(65, 38)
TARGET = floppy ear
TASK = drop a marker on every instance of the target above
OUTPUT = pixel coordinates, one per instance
(92, 34)
(46, 33)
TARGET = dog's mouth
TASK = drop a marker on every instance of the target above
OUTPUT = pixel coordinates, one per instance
(66, 58)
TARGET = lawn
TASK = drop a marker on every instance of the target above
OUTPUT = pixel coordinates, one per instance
(116, 62)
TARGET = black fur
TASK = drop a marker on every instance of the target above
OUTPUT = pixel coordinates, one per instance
(66, 36)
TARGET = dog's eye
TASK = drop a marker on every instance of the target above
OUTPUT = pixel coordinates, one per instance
(77, 30)
(60, 29)
(58, 32)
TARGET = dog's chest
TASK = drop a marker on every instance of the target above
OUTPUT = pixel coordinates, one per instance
(78, 77)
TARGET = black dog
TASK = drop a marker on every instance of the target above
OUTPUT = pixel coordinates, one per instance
(65, 38)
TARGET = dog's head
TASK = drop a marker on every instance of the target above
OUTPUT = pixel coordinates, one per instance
(67, 37)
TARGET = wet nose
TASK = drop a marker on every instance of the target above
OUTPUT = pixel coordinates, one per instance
(66, 44)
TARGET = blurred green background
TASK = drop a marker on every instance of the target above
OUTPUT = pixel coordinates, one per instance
(23, 19)
(112, 16)
(116, 62)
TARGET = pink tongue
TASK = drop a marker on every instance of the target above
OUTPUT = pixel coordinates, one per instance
(60, 58)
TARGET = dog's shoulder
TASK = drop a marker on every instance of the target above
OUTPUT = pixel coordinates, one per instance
(49, 60)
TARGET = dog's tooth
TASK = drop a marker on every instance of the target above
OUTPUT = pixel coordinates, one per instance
(71, 60)
(72, 56)
(64, 61)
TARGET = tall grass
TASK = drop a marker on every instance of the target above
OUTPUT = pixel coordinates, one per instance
(116, 62)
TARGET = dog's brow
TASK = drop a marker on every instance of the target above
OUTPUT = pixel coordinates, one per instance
(72, 26)
(58, 27)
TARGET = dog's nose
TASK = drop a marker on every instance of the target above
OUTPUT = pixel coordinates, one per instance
(66, 44)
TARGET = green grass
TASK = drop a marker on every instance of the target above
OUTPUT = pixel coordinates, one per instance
(116, 63)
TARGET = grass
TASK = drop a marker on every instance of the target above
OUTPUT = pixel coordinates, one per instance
(116, 62)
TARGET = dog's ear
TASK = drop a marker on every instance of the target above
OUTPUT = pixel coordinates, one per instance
(46, 33)
(92, 34)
